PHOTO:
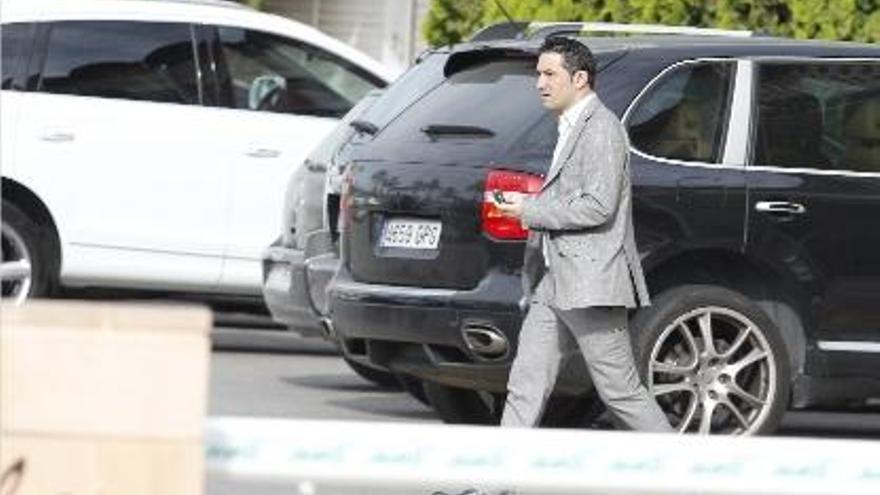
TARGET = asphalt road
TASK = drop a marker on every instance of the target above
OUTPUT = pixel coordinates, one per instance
(307, 380)
(264, 373)
(276, 374)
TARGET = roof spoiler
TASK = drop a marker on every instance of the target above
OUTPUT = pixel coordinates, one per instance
(542, 30)
(462, 59)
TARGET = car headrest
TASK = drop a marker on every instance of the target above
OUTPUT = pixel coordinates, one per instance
(862, 118)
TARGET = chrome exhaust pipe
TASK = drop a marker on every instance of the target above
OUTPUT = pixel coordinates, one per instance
(486, 341)
(328, 331)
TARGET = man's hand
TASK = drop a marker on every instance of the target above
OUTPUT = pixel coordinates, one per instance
(512, 206)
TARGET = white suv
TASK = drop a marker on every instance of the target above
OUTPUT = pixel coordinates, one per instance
(147, 144)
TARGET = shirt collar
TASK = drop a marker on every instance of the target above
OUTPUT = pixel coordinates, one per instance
(569, 117)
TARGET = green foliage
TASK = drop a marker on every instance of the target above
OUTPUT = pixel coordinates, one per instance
(768, 16)
(450, 21)
(671, 12)
(541, 10)
(856, 20)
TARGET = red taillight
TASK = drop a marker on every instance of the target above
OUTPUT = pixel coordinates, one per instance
(495, 225)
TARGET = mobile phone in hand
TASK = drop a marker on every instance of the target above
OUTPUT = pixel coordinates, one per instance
(499, 197)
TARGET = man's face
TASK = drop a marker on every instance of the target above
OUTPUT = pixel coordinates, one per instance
(558, 89)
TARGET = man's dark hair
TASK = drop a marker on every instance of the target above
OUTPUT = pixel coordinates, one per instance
(575, 56)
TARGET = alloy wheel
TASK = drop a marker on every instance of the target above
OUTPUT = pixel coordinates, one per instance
(15, 270)
(713, 371)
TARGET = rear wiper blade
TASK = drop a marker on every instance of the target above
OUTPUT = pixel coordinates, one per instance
(457, 130)
(364, 126)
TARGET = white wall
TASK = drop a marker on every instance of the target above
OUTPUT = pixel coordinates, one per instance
(388, 30)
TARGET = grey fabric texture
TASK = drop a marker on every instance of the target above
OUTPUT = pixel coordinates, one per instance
(584, 214)
(547, 339)
(578, 298)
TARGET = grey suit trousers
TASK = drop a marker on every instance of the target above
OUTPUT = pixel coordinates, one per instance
(549, 336)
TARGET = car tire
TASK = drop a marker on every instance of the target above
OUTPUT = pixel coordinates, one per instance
(460, 406)
(742, 379)
(582, 411)
(415, 387)
(26, 271)
(384, 379)
(463, 406)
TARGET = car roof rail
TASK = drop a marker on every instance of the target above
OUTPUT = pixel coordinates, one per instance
(542, 30)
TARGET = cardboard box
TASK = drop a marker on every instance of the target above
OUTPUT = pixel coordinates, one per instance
(103, 398)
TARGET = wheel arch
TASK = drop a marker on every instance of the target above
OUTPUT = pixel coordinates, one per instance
(781, 300)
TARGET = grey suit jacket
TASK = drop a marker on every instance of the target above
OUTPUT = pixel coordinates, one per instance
(584, 213)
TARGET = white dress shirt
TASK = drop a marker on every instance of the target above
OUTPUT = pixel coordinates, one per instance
(567, 121)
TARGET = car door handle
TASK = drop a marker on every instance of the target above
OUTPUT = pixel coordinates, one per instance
(263, 153)
(57, 137)
(780, 207)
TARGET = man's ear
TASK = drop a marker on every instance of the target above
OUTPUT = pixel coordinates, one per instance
(581, 79)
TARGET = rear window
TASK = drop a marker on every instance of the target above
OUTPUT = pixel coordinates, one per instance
(496, 96)
(823, 115)
(414, 83)
(148, 61)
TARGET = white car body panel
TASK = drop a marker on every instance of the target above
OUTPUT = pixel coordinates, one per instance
(197, 192)
(166, 183)
(266, 147)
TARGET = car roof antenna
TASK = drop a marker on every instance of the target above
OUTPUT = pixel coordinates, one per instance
(504, 11)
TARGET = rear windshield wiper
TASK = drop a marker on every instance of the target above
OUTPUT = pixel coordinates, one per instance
(457, 130)
(364, 126)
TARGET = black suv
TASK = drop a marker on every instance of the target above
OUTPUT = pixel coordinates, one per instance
(756, 171)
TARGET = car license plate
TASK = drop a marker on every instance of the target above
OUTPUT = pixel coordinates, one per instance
(410, 233)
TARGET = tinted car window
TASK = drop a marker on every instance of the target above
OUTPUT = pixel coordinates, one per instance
(497, 96)
(17, 39)
(414, 83)
(819, 115)
(684, 116)
(271, 73)
(130, 60)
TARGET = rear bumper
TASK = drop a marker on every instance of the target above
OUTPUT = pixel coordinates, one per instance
(418, 331)
(294, 287)
(283, 278)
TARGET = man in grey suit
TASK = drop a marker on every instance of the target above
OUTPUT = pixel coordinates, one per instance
(582, 270)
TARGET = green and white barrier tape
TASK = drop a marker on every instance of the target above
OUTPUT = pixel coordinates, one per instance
(427, 458)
